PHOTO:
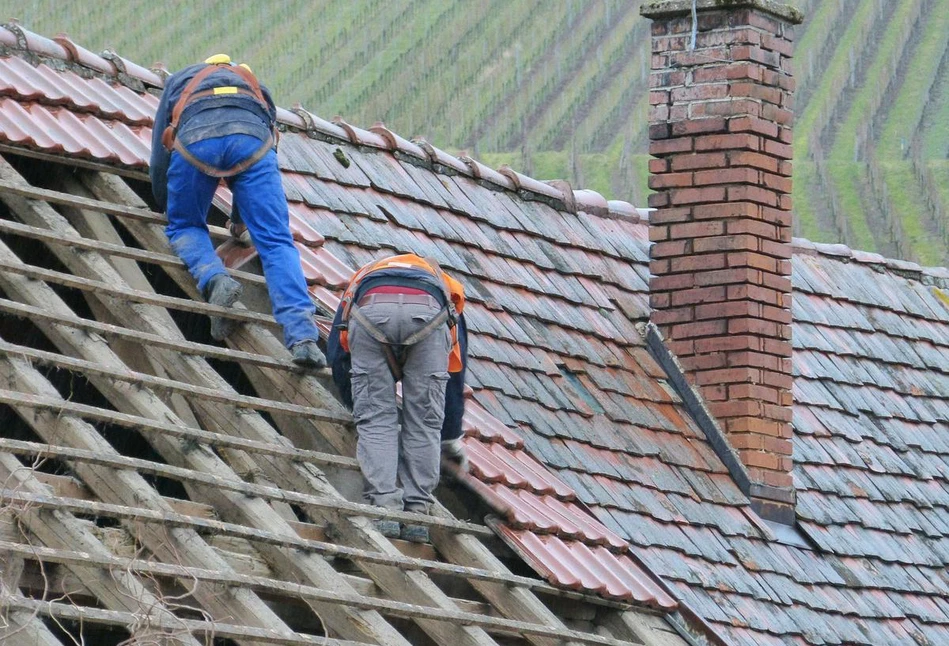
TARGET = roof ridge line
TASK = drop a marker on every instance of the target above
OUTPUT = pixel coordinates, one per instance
(842, 252)
(557, 193)
(37, 47)
(418, 150)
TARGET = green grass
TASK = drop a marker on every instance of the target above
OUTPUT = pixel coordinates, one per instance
(920, 75)
(849, 178)
(868, 98)
(906, 195)
(805, 189)
(935, 133)
(823, 18)
(834, 78)
(907, 205)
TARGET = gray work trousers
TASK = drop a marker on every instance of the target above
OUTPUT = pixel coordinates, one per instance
(400, 468)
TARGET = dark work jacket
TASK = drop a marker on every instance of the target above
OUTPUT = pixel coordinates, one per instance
(341, 362)
(213, 116)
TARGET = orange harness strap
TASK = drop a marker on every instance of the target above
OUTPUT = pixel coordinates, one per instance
(449, 314)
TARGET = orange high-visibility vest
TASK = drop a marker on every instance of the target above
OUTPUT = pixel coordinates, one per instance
(453, 290)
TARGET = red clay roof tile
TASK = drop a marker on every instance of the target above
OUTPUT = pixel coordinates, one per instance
(577, 566)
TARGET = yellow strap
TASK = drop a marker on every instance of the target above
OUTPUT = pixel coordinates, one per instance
(227, 89)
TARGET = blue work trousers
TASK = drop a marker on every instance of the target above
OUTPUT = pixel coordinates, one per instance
(258, 194)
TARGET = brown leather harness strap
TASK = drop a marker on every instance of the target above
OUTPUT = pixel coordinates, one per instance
(171, 131)
(211, 171)
(449, 304)
(169, 137)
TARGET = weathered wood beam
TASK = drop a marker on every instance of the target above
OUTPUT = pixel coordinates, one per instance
(239, 555)
(100, 288)
(263, 584)
(112, 250)
(170, 517)
(345, 621)
(127, 487)
(203, 629)
(146, 425)
(511, 601)
(20, 623)
(97, 226)
(185, 347)
(123, 374)
(119, 590)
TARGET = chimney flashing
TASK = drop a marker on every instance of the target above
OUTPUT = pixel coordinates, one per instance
(762, 496)
(670, 8)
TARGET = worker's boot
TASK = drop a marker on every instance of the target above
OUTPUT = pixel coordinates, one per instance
(388, 528)
(308, 354)
(412, 532)
(224, 291)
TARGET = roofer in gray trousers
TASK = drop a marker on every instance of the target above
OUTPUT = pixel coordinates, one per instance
(423, 401)
(400, 319)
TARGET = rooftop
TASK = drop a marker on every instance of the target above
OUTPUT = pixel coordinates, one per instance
(599, 470)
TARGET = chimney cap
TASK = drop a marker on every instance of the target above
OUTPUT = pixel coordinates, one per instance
(669, 8)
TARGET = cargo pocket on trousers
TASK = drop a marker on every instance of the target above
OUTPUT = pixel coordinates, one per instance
(361, 403)
(435, 413)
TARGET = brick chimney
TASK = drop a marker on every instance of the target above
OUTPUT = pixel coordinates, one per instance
(720, 131)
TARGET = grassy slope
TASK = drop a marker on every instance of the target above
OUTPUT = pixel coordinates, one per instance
(564, 81)
(906, 196)
(807, 63)
(849, 174)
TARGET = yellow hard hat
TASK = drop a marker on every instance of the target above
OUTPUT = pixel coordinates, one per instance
(246, 67)
(218, 59)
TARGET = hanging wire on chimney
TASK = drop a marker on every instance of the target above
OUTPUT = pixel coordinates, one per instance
(695, 28)
(695, 25)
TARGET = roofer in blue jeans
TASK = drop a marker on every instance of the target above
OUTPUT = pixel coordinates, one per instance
(215, 121)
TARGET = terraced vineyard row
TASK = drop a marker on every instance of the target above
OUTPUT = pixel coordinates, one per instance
(557, 88)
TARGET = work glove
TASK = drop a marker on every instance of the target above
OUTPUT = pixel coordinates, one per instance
(454, 451)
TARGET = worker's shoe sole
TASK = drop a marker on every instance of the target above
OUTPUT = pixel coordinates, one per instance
(224, 291)
(308, 355)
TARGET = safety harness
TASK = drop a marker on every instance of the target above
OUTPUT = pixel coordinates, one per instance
(395, 352)
(169, 137)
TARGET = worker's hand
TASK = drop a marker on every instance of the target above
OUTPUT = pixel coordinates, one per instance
(454, 450)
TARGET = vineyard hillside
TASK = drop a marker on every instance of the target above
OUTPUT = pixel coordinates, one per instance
(559, 89)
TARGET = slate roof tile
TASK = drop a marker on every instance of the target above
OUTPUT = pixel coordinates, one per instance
(435, 192)
(552, 452)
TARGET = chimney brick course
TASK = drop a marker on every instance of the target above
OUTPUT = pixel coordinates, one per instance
(720, 131)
